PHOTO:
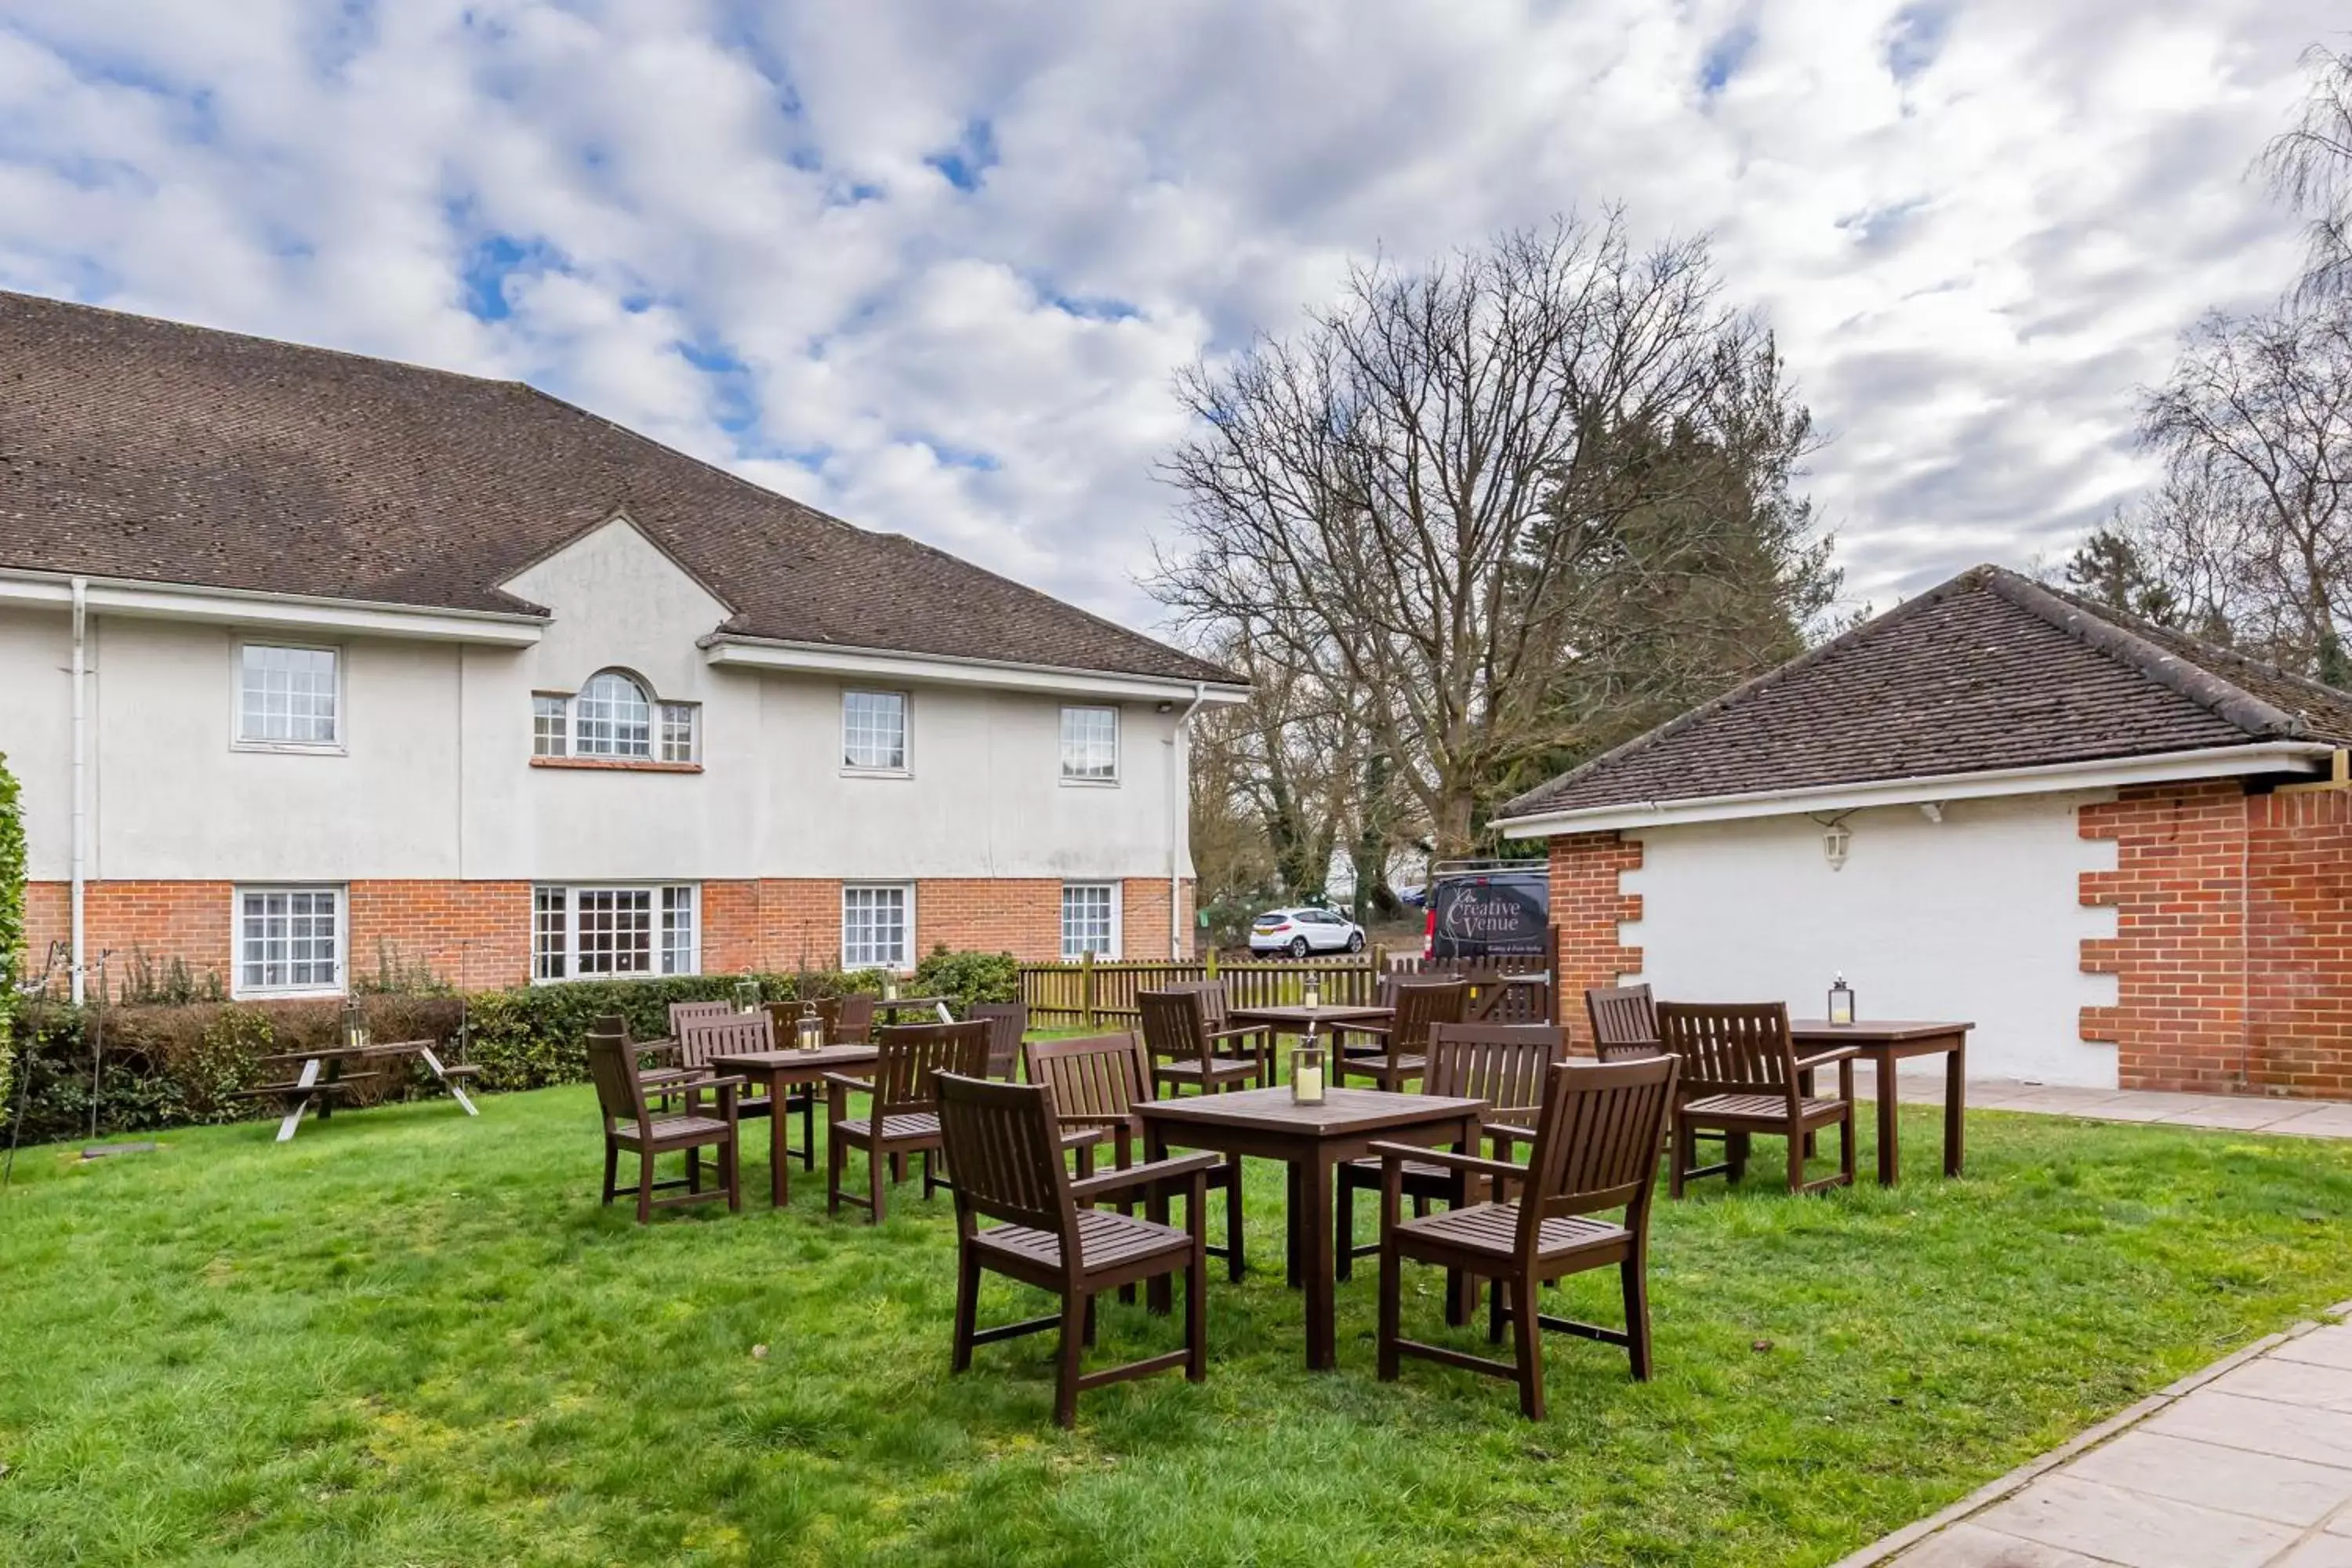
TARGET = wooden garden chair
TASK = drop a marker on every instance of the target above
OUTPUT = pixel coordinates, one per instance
(631, 1124)
(1740, 1077)
(1183, 1051)
(1007, 1023)
(681, 1014)
(702, 1039)
(1502, 1063)
(1004, 1146)
(785, 1018)
(1403, 1046)
(1250, 1042)
(1596, 1149)
(903, 1118)
(1098, 1082)
(854, 1025)
(1624, 1021)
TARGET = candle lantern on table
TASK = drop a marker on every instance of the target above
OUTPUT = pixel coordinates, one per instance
(889, 988)
(811, 1028)
(746, 995)
(1841, 1002)
(1310, 992)
(1307, 1070)
(355, 1029)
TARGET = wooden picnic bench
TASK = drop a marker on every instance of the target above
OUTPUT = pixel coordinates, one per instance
(325, 1075)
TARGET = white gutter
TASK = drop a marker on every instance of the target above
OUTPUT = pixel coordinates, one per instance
(1178, 797)
(1003, 675)
(79, 590)
(293, 612)
(2112, 773)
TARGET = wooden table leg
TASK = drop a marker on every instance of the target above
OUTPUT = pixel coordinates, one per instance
(1882, 1067)
(1956, 1076)
(297, 1103)
(1315, 1219)
(326, 1101)
(1292, 1207)
(780, 1180)
(1155, 1210)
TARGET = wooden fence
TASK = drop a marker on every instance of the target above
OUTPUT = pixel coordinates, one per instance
(1091, 993)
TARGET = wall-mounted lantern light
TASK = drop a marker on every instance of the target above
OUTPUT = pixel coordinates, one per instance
(1835, 841)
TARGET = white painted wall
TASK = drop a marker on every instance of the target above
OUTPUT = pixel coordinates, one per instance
(1977, 917)
(436, 779)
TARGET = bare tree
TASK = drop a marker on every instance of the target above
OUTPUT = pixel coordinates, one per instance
(2251, 531)
(2309, 165)
(1422, 505)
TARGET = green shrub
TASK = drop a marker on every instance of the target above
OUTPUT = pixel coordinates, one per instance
(969, 977)
(11, 919)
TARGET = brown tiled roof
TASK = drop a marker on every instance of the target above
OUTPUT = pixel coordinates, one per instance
(1988, 671)
(139, 448)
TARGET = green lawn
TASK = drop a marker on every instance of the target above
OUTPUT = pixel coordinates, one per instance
(408, 1337)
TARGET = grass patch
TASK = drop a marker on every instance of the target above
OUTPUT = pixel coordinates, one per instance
(407, 1338)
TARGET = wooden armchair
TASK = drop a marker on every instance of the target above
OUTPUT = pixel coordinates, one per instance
(681, 1014)
(1098, 1082)
(702, 1039)
(1739, 1077)
(903, 1118)
(657, 1080)
(785, 1018)
(854, 1025)
(630, 1123)
(1183, 1052)
(1624, 1021)
(1002, 1140)
(1007, 1023)
(1596, 1149)
(1401, 1047)
(1251, 1042)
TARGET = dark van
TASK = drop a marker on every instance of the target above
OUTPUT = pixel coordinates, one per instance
(1489, 911)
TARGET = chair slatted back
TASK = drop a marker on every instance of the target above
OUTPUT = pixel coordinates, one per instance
(785, 1017)
(1597, 1143)
(701, 1038)
(1175, 1025)
(1216, 1005)
(1624, 1021)
(1503, 1064)
(1007, 1022)
(613, 1068)
(681, 1014)
(911, 1055)
(1731, 1048)
(1101, 1077)
(854, 1024)
(1421, 1004)
(1001, 1143)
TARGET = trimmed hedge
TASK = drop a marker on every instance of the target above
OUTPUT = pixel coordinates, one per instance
(11, 918)
(171, 1066)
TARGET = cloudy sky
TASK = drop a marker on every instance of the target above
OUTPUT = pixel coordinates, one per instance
(930, 264)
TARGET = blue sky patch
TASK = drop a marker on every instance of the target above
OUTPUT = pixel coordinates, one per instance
(970, 159)
(1725, 57)
(1915, 38)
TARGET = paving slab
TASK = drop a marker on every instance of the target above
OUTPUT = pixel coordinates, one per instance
(1973, 1546)
(2320, 1552)
(2229, 1480)
(2260, 1426)
(2330, 1346)
(2136, 1528)
(2291, 1383)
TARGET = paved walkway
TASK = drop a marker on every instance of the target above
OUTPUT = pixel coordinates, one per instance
(2247, 1464)
(1923, 1084)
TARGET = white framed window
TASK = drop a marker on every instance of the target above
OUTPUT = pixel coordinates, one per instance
(1090, 745)
(878, 926)
(288, 698)
(873, 732)
(612, 717)
(290, 942)
(606, 933)
(550, 724)
(680, 724)
(1089, 919)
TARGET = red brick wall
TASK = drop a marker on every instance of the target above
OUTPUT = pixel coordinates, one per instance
(1144, 919)
(2300, 942)
(1587, 905)
(475, 935)
(774, 923)
(2179, 953)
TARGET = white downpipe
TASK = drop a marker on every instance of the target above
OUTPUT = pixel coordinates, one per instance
(81, 771)
(1179, 795)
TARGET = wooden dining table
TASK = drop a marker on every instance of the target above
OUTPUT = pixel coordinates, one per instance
(1331, 1022)
(779, 1069)
(1312, 1140)
(1882, 1043)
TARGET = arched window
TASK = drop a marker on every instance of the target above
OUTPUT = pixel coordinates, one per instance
(613, 718)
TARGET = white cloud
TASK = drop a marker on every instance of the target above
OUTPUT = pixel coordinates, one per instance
(1977, 226)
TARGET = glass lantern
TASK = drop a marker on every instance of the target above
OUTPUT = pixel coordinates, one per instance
(746, 995)
(809, 1030)
(1307, 1070)
(355, 1029)
(1310, 992)
(889, 988)
(1841, 1002)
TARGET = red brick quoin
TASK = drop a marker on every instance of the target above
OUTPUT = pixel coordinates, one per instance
(1587, 907)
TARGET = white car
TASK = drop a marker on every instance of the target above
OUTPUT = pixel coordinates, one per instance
(1304, 931)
